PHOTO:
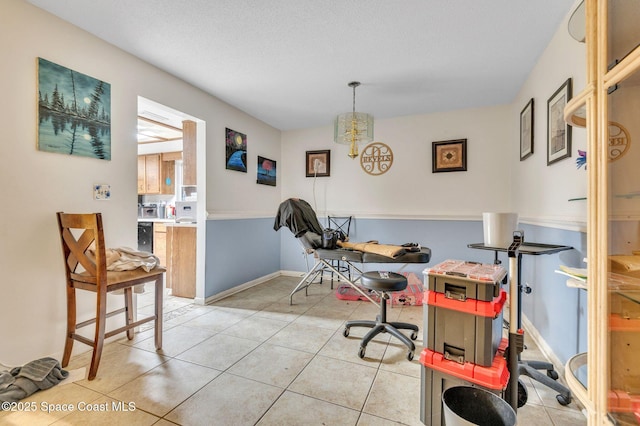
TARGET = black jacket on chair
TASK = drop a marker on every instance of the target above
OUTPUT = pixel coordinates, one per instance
(299, 217)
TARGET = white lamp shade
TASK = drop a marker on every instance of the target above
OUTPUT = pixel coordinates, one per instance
(343, 126)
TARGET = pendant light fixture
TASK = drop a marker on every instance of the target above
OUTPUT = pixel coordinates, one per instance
(577, 23)
(353, 127)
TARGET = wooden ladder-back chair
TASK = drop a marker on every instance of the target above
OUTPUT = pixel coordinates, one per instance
(86, 268)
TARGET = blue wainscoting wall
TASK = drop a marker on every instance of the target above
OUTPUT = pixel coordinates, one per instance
(239, 251)
(558, 312)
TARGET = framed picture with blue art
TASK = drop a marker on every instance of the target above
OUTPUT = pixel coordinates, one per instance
(74, 112)
(236, 151)
(266, 171)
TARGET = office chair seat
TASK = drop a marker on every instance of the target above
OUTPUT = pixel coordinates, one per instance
(384, 283)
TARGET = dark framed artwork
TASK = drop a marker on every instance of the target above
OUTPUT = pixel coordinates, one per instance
(558, 131)
(74, 112)
(318, 163)
(236, 150)
(449, 156)
(526, 131)
(266, 171)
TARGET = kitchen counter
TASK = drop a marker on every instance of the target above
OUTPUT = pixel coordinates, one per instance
(182, 224)
(155, 219)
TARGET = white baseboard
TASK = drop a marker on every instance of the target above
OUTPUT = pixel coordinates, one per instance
(292, 273)
(543, 346)
(253, 283)
(241, 287)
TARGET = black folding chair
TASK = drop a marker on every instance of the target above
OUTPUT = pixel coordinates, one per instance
(342, 224)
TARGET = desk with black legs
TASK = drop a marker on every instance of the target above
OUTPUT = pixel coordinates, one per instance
(528, 368)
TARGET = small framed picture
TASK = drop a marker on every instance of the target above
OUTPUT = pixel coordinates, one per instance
(267, 171)
(449, 156)
(526, 131)
(318, 163)
(236, 150)
(558, 132)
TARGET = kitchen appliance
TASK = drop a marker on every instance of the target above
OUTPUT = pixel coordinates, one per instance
(149, 210)
(186, 211)
(145, 236)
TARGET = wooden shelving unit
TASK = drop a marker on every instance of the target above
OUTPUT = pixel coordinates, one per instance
(606, 379)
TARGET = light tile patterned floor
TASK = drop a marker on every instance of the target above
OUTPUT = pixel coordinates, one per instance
(253, 359)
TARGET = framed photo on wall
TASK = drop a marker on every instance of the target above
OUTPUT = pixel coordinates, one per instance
(526, 131)
(318, 163)
(558, 132)
(236, 150)
(267, 171)
(449, 156)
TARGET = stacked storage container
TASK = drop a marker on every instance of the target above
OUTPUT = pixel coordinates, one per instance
(463, 304)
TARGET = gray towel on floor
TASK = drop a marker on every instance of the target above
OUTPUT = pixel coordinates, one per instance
(23, 381)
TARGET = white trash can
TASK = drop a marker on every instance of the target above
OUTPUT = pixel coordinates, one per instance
(499, 228)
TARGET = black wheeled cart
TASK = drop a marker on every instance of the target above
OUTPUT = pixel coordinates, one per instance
(516, 393)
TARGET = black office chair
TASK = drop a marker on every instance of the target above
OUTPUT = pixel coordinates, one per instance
(341, 224)
(383, 283)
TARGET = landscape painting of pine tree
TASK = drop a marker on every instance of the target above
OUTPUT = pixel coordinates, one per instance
(74, 112)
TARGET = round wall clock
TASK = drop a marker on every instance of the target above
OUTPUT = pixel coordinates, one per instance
(376, 158)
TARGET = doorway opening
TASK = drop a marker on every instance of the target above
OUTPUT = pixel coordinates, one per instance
(171, 196)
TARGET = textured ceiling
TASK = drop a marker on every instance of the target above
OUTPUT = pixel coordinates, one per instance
(288, 62)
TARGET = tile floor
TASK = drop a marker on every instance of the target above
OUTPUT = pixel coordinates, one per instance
(252, 359)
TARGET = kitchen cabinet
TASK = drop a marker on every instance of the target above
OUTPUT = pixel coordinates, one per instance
(160, 242)
(181, 260)
(149, 174)
(156, 175)
(172, 156)
(606, 378)
(168, 177)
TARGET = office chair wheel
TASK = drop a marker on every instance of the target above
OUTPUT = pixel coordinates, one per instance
(410, 356)
(563, 400)
(522, 394)
(552, 374)
(361, 352)
(414, 335)
(345, 332)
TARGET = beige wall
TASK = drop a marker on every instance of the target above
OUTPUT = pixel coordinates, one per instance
(37, 184)
(409, 188)
(541, 192)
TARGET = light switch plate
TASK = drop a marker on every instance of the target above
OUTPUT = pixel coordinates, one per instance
(101, 192)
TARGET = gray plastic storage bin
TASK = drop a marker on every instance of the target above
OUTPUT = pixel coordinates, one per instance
(465, 280)
(464, 288)
(463, 336)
